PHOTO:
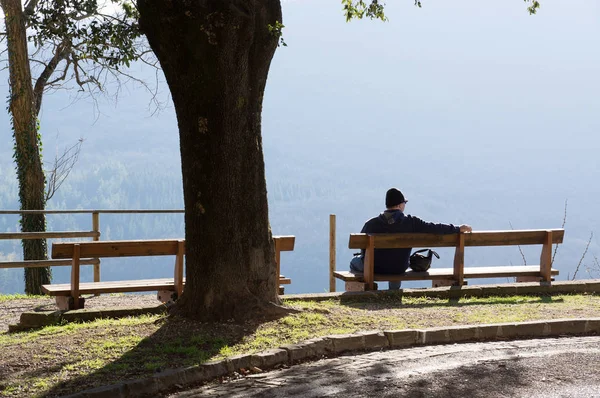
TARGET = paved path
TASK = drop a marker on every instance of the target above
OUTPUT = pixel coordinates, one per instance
(548, 368)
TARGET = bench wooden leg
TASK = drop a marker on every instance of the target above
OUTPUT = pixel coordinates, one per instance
(166, 296)
(66, 303)
(531, 279)
(369, 271)
(178, 276)
(546, 259)
(358, 286)
(75, 277)
(446, 282)
(459, 261)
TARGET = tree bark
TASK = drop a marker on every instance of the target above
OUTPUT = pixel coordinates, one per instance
(216, 56)
(27, 151)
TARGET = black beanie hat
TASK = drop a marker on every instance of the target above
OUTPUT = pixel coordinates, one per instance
(393, 197)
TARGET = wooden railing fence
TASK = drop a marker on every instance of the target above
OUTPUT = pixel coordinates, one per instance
(94, 234)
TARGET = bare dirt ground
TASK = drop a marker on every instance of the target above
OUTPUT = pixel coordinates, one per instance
(11, 310)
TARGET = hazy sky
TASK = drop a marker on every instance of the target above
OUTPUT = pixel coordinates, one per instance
(506, 104)
(483, 92)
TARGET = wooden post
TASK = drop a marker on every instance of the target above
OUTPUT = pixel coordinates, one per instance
(96, 228)
(546, 259)
(369, 273)
(331, 252)
(278, 262)
(75, 276)
(459, 260)
(178, 277)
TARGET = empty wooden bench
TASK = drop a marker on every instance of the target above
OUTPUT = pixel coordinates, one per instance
(458, 273)
(68, 294)
(283, 243)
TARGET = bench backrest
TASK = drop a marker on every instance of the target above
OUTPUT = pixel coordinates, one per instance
(370, 242)
(285, 243)
(120, 248)
(478, 238)
(133, 248)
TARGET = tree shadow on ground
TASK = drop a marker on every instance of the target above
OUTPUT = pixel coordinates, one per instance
(389, 378)
(177, 343)
(397, 300)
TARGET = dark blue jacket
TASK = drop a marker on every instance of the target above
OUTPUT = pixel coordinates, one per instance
(395, 261)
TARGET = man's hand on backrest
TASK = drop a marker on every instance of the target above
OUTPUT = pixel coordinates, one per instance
(465, 228)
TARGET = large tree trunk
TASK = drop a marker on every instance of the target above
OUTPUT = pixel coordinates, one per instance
(27, 151)
(216, 57)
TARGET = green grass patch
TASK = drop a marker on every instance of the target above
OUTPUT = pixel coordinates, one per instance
(73, 328)
(9, 297)
(73, 357)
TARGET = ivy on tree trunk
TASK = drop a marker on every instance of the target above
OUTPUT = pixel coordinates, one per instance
(216, 56)
(27, 150)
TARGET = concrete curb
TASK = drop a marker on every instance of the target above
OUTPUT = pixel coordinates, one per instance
(337, 344)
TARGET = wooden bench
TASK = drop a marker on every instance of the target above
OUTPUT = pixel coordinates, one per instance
(68, 294)
(458, 273)
(283, 243)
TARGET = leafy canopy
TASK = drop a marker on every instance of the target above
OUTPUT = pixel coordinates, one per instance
(359, 9)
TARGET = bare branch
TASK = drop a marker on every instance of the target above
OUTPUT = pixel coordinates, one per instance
(562, 227)
(583, 256)
(519, 246)
(38, 90)
(81, 17)
(62, 77)
(77, 70)
(61, 169)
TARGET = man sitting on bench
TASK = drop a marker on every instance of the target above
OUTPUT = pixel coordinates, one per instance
(393, 220)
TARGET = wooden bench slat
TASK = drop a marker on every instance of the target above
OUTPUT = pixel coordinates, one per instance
(133, 248)
(111, 287)
(285, 242)
(142, 285)
(49, 235)
(45, 263)
(447, 273)
(122, 248)
(477, 238)
(505, 271)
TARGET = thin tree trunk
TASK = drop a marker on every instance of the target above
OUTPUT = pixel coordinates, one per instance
(216, 57)
(27, 151)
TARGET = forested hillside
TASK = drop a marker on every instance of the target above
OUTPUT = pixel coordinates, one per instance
(474, 122)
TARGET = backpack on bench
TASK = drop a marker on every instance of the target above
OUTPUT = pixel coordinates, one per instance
(421, 263)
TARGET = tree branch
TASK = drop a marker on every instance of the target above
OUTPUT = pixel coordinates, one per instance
(61, 169)
(40, 84)
(30, 8)
(519, 246)
(583, 256)
(62, 77)
(562, 227)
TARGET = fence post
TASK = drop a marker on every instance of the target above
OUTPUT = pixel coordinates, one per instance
(546, 259)
(331, 252)
(96, 228)
(278, 264)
